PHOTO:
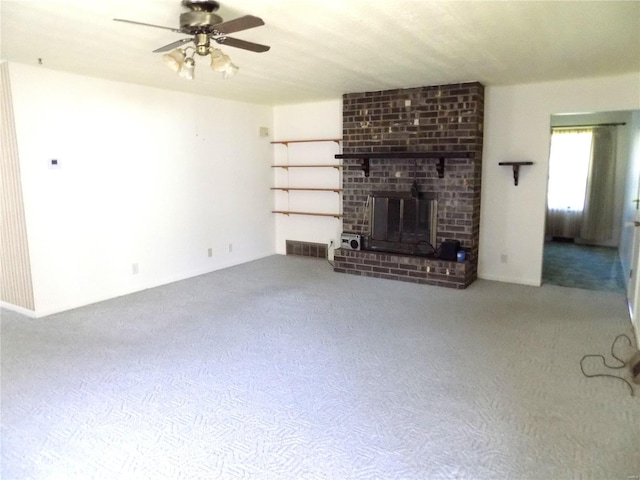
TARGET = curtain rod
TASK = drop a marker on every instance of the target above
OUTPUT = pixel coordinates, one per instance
(592, 125)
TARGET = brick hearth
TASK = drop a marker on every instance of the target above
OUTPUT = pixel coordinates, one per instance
(445, 118)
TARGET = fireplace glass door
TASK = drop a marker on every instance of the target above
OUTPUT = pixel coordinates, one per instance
(403, 224)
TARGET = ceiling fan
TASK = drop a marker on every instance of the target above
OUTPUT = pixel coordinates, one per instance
(205, 26)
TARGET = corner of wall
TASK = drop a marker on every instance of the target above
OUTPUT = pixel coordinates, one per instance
(16, 285)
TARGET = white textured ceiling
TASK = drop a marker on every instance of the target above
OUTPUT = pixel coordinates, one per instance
(323, 49)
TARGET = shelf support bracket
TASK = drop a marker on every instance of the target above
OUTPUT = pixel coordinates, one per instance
(516, 174)
(516, 169)
(440, 167)
(365, 166)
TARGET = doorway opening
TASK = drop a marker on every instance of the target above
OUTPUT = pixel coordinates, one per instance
(587, 186)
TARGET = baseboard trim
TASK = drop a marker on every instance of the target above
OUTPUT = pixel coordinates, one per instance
(517, 281)
(148, 285)
(21, 310)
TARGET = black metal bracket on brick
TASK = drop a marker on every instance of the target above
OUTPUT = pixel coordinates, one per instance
(440, 166)
(516, 169)
(365, 166)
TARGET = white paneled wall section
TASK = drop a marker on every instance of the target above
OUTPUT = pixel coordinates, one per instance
(16, 287)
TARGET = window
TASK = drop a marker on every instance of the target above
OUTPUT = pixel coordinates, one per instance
(569, 168)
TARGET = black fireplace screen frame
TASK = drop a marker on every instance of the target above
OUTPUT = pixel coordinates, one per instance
(402, 223)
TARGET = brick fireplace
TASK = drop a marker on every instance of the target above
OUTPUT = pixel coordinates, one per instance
(423, 141)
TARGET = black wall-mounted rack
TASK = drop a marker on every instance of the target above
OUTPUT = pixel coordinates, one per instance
(516, 169)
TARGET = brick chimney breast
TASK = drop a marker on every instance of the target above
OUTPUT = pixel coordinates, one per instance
(441, 118)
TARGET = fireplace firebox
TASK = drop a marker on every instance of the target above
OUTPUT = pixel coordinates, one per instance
(403, 223)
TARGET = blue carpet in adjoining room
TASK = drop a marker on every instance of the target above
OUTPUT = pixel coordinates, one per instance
(582, 266)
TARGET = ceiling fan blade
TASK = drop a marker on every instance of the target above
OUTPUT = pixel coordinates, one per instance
(241, 23)
(173, 45)
(234, 42)
(145, 24)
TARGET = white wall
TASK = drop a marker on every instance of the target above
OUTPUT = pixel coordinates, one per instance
(156, 178)
(517, 122)
(318, 120)
(631, 194)
(146, 176)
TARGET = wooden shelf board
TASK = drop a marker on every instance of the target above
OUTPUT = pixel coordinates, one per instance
(287, 142)
(306, 166)
(287, 212)
(286, 189)
(391, 155)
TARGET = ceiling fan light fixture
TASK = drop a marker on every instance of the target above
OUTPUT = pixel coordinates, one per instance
(175, 59)
(205, 27)
(219, 61)
(230, 71)
(188, 69)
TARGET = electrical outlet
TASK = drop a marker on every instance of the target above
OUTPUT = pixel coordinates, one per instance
(504, 258)
(134, 268)
(231, 248)
(210, 252)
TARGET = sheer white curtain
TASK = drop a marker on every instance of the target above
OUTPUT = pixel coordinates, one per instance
(599, 209)
(581, 193)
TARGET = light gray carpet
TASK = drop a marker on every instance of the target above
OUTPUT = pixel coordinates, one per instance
(282, 369)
